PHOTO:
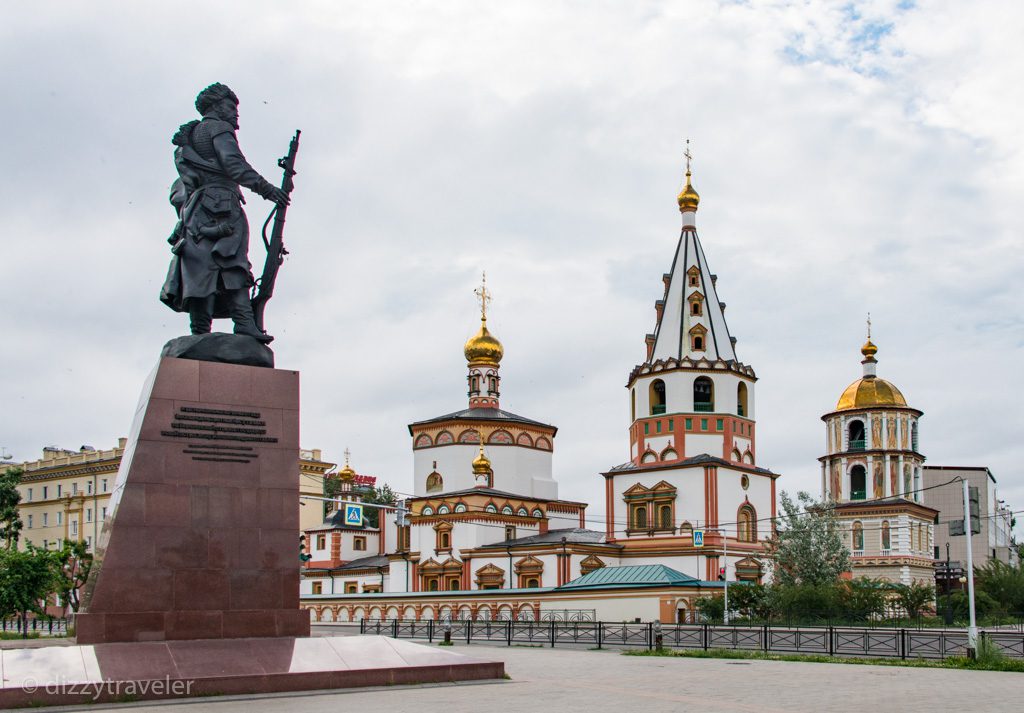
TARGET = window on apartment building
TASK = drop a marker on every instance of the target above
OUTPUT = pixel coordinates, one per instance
(359, 544)
(88, 542)
(103, 485)
(46, 519)
(46, 493)
(60, 518)
(88, 515)
(29, 522)
(318, 587)
(104, 512)
(29, 498)
(321, 542)
(74, 488)
(88, 487)
(74, 527)
(60, 489)
(46, 543)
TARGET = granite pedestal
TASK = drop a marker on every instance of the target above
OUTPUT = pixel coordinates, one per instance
(202, 536)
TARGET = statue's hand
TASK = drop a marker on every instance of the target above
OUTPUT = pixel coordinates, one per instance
(278, 196)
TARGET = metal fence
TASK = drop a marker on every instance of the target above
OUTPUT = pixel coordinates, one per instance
(43, 627)
(826, 641)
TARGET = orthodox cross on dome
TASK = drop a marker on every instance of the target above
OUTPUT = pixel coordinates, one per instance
(869, 326)
(688, 156)
(348, 455)
(484, 295)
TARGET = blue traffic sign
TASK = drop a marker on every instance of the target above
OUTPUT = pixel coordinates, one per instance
(354, 514)
(698, 538)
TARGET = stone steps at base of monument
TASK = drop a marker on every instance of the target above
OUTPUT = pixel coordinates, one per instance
(97, 673)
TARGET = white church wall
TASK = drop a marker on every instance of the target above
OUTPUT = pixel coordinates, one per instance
(697, 443)
(517, 469)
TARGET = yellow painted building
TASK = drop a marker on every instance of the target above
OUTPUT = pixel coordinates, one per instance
(65, 494)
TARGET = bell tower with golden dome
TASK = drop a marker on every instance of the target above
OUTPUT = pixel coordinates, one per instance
(871, 439)
(483, 356)
(872, 472)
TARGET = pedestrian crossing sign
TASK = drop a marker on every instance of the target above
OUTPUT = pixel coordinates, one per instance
(353, 514)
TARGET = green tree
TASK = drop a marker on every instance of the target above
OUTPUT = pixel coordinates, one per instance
(10, 520)
(383, 495)
(1002, 582)
(27, 580)
(807, 546)
(915, 598)
(73, 562)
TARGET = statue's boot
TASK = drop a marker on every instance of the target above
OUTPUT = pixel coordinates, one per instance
(200, 314)
(240, 309)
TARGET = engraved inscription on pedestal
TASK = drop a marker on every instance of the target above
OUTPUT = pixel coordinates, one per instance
(206, 425)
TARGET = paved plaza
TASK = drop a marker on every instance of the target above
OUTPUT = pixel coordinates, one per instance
(599, 681)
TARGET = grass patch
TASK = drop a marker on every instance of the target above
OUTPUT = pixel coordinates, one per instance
(15, 636)
(445, 643)
(990, 660)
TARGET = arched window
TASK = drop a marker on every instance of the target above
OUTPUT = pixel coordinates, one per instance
(703, 394)
(474, 384)
(913, 436)
(492, 385)
(665, 517)
(695, 308)
(858, 537)
(460, 507)
(858, 482)
(632, 404)
(427, 511)
(736, 455)
(639, 517)
(443, 510)
(491, 507)
(741, 400)
(886, 536)
(507, 510)
(657, 396)
(698, 343)
(856, 433)
(434, 482)
(746, 524)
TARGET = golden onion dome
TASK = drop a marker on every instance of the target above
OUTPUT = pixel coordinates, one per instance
(484, 347)
(869, 349)
(481, 464)
(688, 199)
(346, 474)
(869, 392)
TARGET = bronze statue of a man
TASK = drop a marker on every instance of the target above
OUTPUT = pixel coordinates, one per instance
(210, 275)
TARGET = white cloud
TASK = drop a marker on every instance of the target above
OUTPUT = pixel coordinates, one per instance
(848, 159)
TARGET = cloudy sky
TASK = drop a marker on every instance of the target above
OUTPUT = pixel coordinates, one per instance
(850, 158)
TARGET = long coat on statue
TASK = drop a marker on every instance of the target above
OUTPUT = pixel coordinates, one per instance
(210, 243)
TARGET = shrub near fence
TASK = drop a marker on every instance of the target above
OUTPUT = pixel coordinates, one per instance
(900, 643)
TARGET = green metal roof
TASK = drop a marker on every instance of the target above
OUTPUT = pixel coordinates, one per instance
(647, 575)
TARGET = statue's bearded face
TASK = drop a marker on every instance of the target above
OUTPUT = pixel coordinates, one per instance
(226, 110)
